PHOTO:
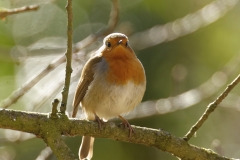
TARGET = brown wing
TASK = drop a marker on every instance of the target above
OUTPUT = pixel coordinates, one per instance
(85, 80)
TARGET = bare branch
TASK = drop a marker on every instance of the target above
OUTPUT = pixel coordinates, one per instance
(7, 12)
(27, 122)
(13, 98)
(211, 107)
(68, 57)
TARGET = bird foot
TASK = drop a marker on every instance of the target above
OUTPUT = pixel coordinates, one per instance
(127, 125)
(99, 121)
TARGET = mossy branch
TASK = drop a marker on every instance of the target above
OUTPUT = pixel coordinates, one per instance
(42, 126)
(58, 146)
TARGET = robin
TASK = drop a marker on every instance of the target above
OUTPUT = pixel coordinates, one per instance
(112, 84)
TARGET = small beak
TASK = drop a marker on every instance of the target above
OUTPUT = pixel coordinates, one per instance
(120, 41)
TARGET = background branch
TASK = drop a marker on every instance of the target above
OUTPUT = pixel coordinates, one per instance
(140, 39)
(7, 12)
(198, 94)
(182, 26)
(112, 22)
(17, 94)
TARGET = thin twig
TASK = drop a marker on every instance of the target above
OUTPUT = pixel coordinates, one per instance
(17, 94)
(211, 107)
(68, 57)
(6, 12)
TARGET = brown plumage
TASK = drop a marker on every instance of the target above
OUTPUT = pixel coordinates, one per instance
(112, 83)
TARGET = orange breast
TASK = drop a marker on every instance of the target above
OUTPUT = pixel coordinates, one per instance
(124, 66)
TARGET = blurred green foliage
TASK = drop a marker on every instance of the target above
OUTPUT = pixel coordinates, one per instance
(201, 53)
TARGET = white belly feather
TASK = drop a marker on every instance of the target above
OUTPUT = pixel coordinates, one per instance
(108, 100)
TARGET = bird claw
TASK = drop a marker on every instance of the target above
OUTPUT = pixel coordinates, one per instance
(127, 125)
(99, 121)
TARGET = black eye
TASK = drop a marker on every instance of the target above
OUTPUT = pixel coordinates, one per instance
(126, 44)
(108, 44)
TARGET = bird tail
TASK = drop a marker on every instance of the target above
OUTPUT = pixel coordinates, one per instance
(86, 148)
